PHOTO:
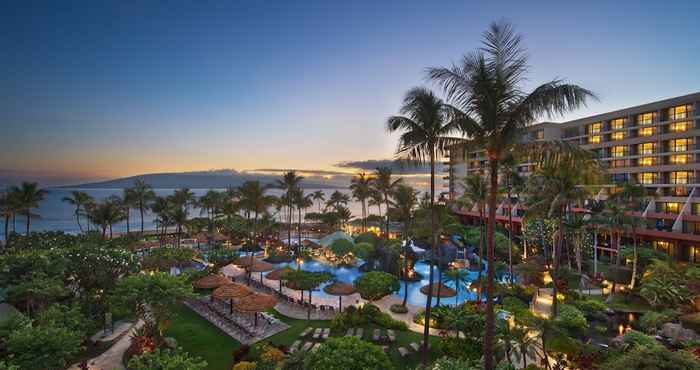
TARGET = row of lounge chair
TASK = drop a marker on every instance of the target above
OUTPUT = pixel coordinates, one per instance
(290, 300)
(310, 333)
(219, 319)
(405, 352)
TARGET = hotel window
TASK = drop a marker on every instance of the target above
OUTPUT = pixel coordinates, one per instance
(595, 139)
(646, 118)
(646, 131)
(618, 151)
(680, 112)
(618, 163)
(679, 145)
(695, 209)
(571, 132)
(679, 126)
(668, 207)
(617, 124)
(680, 177)
(646, 177)
(662, 245)
(646, 148)
(595, 128)
(646, 161)
(679, 159)
(618, 135)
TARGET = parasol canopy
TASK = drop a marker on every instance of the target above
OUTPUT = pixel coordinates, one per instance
(445, 291)
(246, 261)
(277, 274)
(232, 291)
(211, 281)
(256, 302)
(340, 289)
(261, 266)
(232, 270)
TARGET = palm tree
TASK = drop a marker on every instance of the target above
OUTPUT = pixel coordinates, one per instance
(289, 182)
(301, 202)
(105, 214)
(320, 197)
(404, 201)
(255, 202)
(376, 199)
(337, 199)
(385, 185)
(488, 88)
(512, 181)
(78, 199)
(426, 127)
(128, 202)
(28, 197)
(163, 208)
(476, 194)
(6, 211)
(633, 197)
(459, 277)
(143, 195)
(361, 190)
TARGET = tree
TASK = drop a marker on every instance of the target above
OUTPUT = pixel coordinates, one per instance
(337, 199)
(306, 280)
(254, 201)
(360, 185)
(152, 297)
(143, 195)
(320, 197)
(385, 185)
(476, 195)
(301, 202)
(341, 247)
(28, 196)
(289, 182)
(374, 285)
(166, 360)
(43, 347)
(404, 202)
(36, 291)
(78, 199)
(653, 358)
(459, 277)
(512, 181)
(8, 209)
(347, 353)
(105, 214)
(664, 286)
(487, 88)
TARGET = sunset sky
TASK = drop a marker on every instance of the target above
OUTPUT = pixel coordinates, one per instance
(91, 90)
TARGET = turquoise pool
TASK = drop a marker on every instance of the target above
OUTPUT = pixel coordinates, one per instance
(415, 297)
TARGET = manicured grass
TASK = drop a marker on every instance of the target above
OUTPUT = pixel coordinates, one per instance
(200, 338)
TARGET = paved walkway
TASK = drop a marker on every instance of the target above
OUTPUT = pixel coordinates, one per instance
(111, 359)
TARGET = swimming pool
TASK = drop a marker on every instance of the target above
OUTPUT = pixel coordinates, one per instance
(348, 274)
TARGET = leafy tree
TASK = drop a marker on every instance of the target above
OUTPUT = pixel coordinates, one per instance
(152, 297)
(27, 197)
(166, 360)
(222, 256)
(43, 347)
(368, 237)
(164, 258)
(36, 292)
(376, 284)
(306, 280)
(347, 353)
(341, 247)
(663, 285)
(80, 200)
(62, 316)
(363, 250)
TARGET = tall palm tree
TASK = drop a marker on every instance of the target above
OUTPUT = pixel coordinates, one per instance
(320, 197)
(163, 208)
(128, 202)
(28, 197)
(289, 182)
(383, 182)
(255, 202)
(476, 194)
(376, 199)
(143, 195)
(337, 199)
(512, 181)
(426, 126)
(78, 199)
(404, 201)
(105, 214)
(632, 197)
(6, 211)
(459, 277)
(488, 88)
(361, 186)
(301, 202)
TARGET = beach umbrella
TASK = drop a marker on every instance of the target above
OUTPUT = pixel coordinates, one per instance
(340, 289)
(277, 275)
(261, 267)
(256, 302)
(245, 261)
(445, 291)
(232, 271)
(231, 291)
(211, 281)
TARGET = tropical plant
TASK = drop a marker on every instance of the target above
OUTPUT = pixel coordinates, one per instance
(475, 195)
(27, 197)
(105, 214)
(347, 353)
(255, 201)
(664, 286)
(376, 284)
(301, 201)
(320, 197)
(652, 358)
(166, 360)
(43, 347)
(143, 195)
(306, 280)
(488, 89)
(361, 187)
(78, 199)
(459, 277)
(289, 183)
(383, 184)
(341, 247)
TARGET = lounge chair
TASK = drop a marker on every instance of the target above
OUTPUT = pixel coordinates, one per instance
(350, 332)
(386, 349)
(326, 333)
(403, 352)
(391, 335)
(315, 347)
(307, 346)
(317, 333)
(359, 333)
(416, 346)
(295, 346)
(376, 335)
(306, 332)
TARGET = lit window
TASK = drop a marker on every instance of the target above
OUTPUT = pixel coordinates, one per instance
(594, 139)
(646, 131)
(646, 177)
(594, 128)
(679, 145)
(679, 126)
(646, 161)
(679, 159)
(646, 118)
(672, 207)
(680, 112)
(618, 151)
(617, 124)
(618, 163)
(646, 148)
(618, 135)
(680, 177)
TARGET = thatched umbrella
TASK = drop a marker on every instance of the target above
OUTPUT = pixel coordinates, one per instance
(340, 289)
(231, 291)
(261, 266)
(245, 261)
(445, 291)
(277, 275)
(256, 302)
(211, 281)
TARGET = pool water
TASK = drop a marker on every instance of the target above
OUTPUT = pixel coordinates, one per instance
(348, 274)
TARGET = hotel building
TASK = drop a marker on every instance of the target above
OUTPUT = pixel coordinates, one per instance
(655, 144)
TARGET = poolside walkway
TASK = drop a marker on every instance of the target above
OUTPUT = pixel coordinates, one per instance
(111, 359)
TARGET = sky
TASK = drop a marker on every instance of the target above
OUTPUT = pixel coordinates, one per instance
(104, 89)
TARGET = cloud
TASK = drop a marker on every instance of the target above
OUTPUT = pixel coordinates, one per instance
(399, 167)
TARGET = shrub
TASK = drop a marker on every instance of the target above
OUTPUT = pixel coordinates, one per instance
(571, 318)
(652, 321)
(635, 338)
(591, 308)
(367, 237)
(245, 365)
(347, 353)
(271, 354)
(241, 352)
(652, 358)
(341, 247)
(398, 308)
(376, 284)
(166, 360)
(43, 348)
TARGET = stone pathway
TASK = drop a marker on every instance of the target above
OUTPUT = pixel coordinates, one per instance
(111, 359)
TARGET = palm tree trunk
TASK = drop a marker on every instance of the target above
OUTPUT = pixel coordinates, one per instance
(7, 226)
(634, 259)
(77, 218)
(433, 227)
(29, 217)
(141, 211)
(510, 240)
(127, 220)
(299, 231)
(555, 260)
(490, 230)
(482, 215)
(289, 218)
(364, 216)
(595, 252)
(386, 203)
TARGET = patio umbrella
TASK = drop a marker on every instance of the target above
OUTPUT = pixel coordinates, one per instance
(445, 291)
(245, 261)
(256, 302)
(211, 281)
(277, 275)
(232, 271)
(261, 267)
(340, 289)
(231, 291)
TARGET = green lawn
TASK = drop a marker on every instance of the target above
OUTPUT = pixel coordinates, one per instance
(200, 338)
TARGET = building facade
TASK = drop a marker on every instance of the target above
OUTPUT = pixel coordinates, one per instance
(655, 144)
